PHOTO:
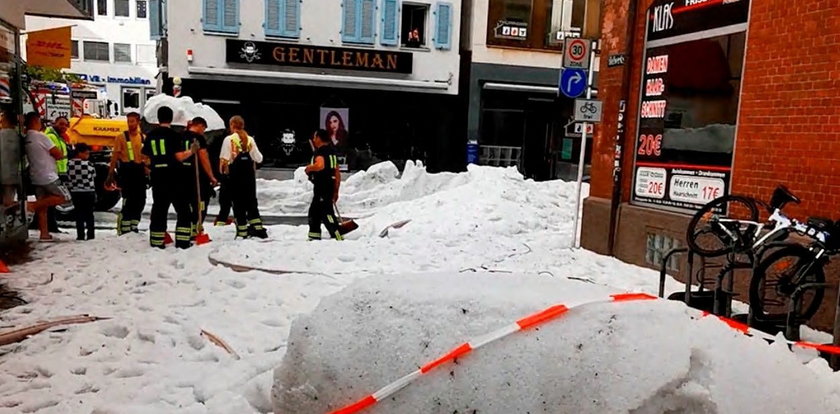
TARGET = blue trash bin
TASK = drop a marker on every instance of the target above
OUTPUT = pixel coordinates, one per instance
(472, 152)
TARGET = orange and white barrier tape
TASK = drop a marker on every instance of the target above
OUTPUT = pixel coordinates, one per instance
(746, 330)
(467, 347)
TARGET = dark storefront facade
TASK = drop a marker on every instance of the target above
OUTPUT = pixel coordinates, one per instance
(518, 118)
(380, 125)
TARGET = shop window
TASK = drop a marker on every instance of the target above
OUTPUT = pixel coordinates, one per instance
(689, 109)
(121, 8)
(74, 49)
(541, 24)
(97, 51)
(142, 9)
(221, 16)
(102, 7)
(122, 52)
(130, 98)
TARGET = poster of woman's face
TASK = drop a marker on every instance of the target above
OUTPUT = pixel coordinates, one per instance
(336, 121)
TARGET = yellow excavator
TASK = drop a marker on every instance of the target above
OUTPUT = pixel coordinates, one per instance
(99, 134)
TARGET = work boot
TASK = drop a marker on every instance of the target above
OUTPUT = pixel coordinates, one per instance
(258, 233)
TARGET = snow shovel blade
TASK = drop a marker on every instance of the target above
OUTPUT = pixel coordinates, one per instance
(167, 239)
(347, 226)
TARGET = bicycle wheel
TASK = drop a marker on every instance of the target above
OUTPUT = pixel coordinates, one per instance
(776, 278)
(709, 237)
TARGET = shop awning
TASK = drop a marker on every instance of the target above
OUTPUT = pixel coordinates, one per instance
(315, 79)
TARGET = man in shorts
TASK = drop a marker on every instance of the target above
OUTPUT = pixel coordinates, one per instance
(42, 155)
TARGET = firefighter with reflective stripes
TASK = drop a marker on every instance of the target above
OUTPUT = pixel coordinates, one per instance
(130, 166)
(238, 160)
(163, 146)
(206, 180)
(324, 173)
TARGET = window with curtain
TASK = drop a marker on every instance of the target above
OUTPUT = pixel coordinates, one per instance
(102, 7)
(121, 8)
(122, 52)
(97, 51)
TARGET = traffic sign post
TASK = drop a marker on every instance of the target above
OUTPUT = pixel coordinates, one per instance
(588, 110)
(573, 82)
(576, 53)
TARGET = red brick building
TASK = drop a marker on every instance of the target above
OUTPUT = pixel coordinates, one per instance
(719, 97)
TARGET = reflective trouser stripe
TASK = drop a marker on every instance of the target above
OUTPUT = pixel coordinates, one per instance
(338, 235)
(330, 218)
(314, 235)
(157, 238)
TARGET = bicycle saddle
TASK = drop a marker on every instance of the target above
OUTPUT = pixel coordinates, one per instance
(820, 223)
(782, 196)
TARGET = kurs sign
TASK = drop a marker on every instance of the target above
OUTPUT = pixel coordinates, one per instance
(307, 56)
(668, 18)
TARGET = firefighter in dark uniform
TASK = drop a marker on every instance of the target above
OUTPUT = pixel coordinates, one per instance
(324, 173)
(206, 180)
(129, 165)
(238, 160)
(164, 146)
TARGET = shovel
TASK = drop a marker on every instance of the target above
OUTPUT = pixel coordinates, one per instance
(344, 226)
(201, 237)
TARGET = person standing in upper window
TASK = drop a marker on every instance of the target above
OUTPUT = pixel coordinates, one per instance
(238, 160)
(413, 38)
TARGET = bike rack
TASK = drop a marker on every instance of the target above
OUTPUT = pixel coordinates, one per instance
(718, 300)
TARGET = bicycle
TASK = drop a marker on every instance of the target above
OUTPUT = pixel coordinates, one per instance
(730, 225)
(799, 287)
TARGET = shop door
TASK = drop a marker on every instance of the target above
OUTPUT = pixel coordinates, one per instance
(543, 130)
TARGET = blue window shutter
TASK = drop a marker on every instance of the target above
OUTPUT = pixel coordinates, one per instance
(443, 28)
(272, 18)
(211, 17)
(349, 32)
(390, 23)
(229, 13)
(367, 21)
(155, 20)
(291, 18)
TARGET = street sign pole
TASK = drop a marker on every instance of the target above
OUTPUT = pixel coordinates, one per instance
(582, 162)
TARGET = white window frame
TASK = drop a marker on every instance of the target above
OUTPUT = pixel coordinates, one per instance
(131, 59)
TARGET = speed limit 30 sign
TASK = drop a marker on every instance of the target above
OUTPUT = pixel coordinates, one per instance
(576, 53)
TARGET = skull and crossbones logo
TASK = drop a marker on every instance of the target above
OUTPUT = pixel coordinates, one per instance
(250, 53)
